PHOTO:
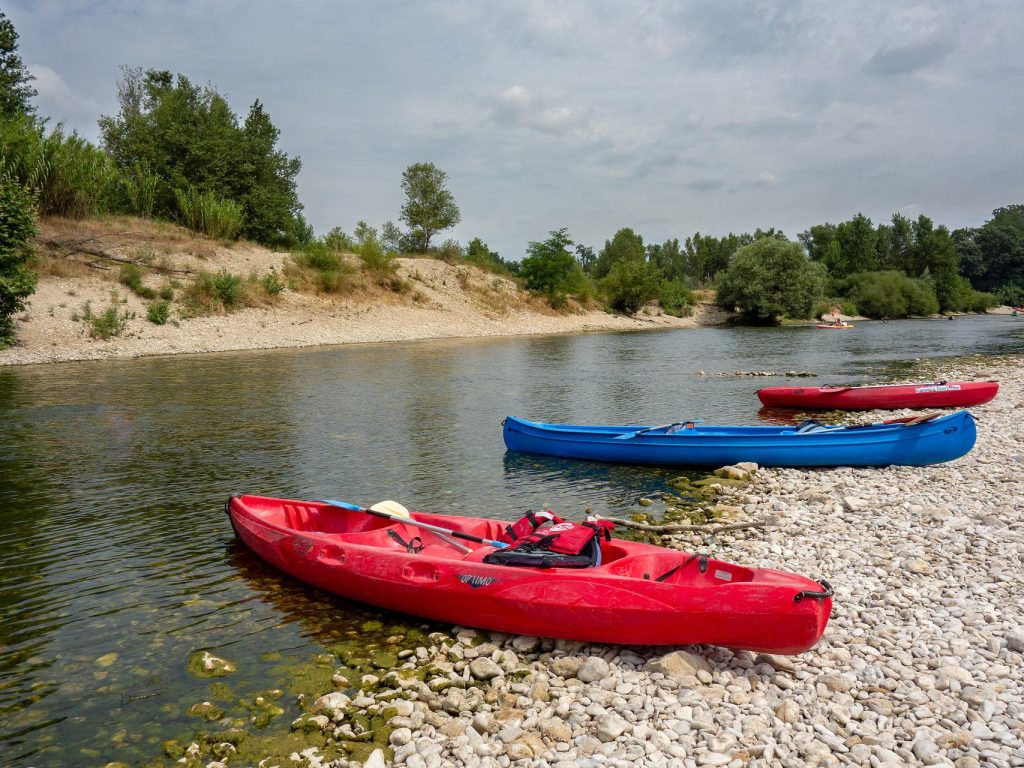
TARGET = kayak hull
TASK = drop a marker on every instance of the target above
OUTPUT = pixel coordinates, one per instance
(350, 553)
(930, 442)
(944, 394)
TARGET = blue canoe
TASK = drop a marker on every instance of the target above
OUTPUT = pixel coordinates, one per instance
(913, 441)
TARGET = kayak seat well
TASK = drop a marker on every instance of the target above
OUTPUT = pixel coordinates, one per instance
(678, 568)
(316, 518)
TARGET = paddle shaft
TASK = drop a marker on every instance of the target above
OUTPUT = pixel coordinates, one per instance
(417, 524)
(630, 435)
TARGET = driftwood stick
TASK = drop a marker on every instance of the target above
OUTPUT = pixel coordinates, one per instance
(76, 247)
(685, 527)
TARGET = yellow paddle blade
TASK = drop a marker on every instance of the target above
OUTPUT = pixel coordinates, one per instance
(392, 508)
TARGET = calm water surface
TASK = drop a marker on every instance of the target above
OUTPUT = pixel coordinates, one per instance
(118, 560)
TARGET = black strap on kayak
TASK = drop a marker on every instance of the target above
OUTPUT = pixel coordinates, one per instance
(412, 546)
(827, 591)
(702, 565)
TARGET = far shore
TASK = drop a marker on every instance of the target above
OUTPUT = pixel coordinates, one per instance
(438, 300)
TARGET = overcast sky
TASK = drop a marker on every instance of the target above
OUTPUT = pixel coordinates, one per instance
(668, 117)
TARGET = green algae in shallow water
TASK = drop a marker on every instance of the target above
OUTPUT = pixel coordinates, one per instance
(204, 664)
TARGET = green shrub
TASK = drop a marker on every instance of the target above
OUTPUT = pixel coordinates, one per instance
(320, 264)
(131, 276)
(158, 312)
(450, 251)
(210, 293)
(982, 302)
(226, 287)
(109, 323)
(675, 298)
(630, 284)
(376, 260)
(272, 283)
(17, 225)
(892, 294)
(213, 216)
(825, 306)
(1011, 294)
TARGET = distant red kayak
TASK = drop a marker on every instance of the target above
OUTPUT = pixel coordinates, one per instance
(939, 394)
(639, 594)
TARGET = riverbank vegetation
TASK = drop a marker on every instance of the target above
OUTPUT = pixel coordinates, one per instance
(177, 152)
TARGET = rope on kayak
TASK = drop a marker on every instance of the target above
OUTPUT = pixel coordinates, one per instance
(702, 565)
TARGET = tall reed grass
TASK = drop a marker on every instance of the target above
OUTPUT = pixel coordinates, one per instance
(213, 216)
(70, 176)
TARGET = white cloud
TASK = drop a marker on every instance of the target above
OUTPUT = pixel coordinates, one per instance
(545, 112)
(56, 96)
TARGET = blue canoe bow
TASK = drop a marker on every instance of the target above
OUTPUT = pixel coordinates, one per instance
(930, 441)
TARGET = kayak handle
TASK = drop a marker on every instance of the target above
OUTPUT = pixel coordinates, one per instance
(816, 595)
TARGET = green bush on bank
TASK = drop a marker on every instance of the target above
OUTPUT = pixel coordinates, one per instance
(629, 284)
(17, 225)
(676, 298)
(159, 312)
(892, 294)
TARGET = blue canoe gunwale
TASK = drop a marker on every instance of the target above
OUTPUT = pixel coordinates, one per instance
(934, 441)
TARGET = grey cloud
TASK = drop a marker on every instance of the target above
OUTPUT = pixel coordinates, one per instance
(909, 58)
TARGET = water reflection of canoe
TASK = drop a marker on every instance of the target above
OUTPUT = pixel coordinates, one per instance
(937, 394)
(640, 594)
(926, 439)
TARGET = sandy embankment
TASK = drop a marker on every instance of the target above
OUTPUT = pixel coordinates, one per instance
(445, 301)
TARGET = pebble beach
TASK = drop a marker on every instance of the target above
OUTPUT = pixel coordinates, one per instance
(922, 662)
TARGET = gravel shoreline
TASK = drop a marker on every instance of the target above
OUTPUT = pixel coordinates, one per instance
(922, 662)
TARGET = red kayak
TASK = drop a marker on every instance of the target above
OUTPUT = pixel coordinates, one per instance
(939, 394)
(639, 594)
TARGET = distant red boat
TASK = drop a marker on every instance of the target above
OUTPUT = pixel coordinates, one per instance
(939, 394)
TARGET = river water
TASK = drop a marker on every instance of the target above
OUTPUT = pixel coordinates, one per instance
(117, 559)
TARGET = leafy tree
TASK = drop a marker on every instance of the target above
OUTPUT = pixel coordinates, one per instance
(391, 237)
(15, 80)
(706, 255)
(626, 245)
(364, 232)
(901, 238)
(769, 278)
(630, 284)
(478, 253)
(17, 225)
(670, 259)
(992, 255)
(550, 267)
(586, 257)
(817, 240)
(429, 207)
(189, 138)
(265, 185)
(856, 239)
